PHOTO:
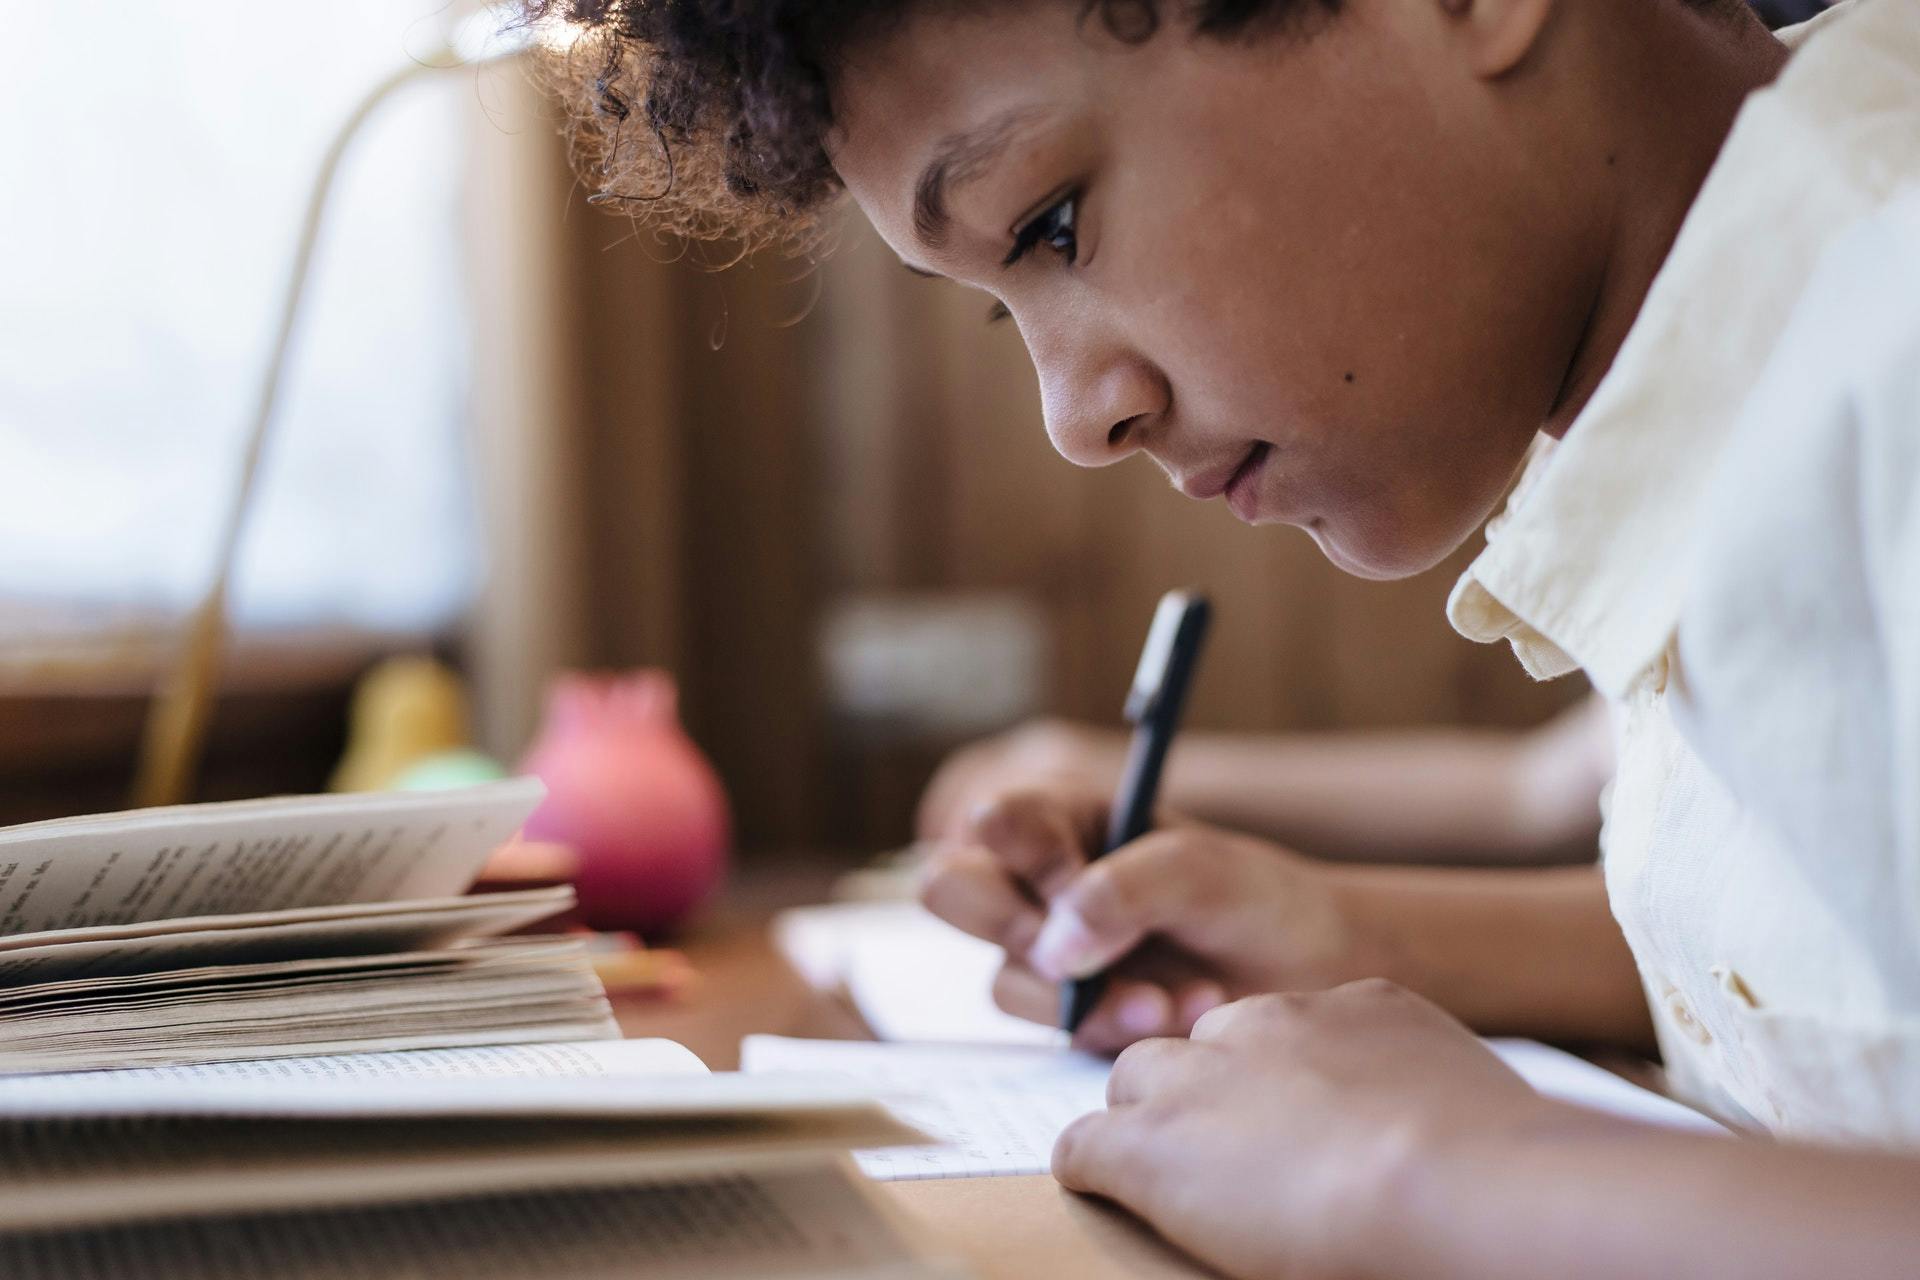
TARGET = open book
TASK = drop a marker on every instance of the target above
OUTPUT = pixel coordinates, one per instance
(566, 1161)
(316, 924)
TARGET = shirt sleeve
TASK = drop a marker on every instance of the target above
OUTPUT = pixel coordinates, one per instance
(1887, 411)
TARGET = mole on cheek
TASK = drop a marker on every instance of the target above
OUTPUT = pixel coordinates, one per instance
(1349, 377)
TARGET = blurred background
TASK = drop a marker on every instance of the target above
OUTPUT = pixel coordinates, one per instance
(529, 436)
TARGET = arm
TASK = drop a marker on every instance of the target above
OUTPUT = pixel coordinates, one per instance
(1482, 796)
(1587, 1196)
(1532, 952)
(1428, 795)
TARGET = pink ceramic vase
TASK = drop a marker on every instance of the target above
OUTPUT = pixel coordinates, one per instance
(630, 792)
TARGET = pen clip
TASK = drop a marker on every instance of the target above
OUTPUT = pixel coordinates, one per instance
(1178, 611)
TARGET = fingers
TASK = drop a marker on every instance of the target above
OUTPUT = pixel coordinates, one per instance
(1143, 1070)
(1023, 993)
(1132, 1010)
(1154, 885)
(1128, 1011)
(966, 886)
(956, 786)
(1109, 1153)
(1042, 837)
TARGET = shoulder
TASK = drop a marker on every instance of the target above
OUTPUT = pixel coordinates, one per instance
(1832, 426)
(1806, 544)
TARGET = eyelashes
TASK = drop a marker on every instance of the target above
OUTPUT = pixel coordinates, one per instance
(1053, 227)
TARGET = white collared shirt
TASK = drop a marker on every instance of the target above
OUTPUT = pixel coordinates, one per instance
(1728, 542)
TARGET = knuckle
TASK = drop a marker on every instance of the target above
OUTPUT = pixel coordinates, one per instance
(948, 885)
(1011, 820)
(1252, 1014)
(1135, 1068)
(1070, 1150)
(1104, 896)
(1375, 990)
(937, 878)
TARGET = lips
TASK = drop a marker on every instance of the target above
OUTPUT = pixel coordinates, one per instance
(1210, 484)
(1243, 487)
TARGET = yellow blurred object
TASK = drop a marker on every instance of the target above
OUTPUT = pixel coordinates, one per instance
(404, 710)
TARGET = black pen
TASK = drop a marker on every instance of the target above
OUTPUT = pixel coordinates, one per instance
(1154, 704)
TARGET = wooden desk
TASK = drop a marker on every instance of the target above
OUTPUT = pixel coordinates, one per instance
(1005, 1228)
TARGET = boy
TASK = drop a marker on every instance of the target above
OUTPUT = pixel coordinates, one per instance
(1340, 263)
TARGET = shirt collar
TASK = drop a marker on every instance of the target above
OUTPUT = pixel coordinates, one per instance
(1588, 566)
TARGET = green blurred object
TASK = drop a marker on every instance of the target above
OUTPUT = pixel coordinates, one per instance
(447, 771)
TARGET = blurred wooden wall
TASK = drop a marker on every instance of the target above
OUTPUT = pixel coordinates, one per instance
(715, 456)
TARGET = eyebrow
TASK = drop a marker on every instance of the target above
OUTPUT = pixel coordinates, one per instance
(959, 159)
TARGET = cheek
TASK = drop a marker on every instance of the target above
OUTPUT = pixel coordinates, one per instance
(1390, 512)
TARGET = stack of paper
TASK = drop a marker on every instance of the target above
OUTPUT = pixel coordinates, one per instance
(561, 1160)
(300, 926)
(995, 1091)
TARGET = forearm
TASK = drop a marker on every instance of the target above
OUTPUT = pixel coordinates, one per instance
(1588, 1196)
(1454, 795)
(1509, 952)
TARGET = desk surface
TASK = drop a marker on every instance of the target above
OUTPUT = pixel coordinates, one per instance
(1006, 1228)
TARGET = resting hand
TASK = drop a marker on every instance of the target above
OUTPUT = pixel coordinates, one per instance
(1188, 916)
(1040, 751)
(1276, 1140)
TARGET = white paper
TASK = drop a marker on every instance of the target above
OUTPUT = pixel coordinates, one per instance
(802, 1223)
(253, 855)
(998, 1111)
(913, 977)
(1558, 1074)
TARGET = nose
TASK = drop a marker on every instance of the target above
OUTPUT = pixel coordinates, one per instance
(1099, 405)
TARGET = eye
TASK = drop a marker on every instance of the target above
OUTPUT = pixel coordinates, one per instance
(1053, 227)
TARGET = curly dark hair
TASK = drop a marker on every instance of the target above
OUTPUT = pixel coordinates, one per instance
(709, 116)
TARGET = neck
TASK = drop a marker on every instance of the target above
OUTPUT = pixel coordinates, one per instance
(1677, 84)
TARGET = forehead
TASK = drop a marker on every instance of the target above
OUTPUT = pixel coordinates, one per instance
(943, 72)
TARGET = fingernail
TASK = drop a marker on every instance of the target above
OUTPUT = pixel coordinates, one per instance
(1141, 1014)
(1065, 948)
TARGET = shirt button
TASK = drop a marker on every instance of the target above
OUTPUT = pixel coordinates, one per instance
(1682, 1017)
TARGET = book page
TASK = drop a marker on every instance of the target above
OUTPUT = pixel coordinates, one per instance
(801, 1223)
(479, 953)
(254, 855)
(69, 1171)
(585, 1078)
(259, 937)
(127, 1092)
(484, 994)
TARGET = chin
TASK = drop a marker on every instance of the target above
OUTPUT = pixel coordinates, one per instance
(1379, 555)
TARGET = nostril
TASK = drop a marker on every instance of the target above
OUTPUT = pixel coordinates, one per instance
(1121, 429)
